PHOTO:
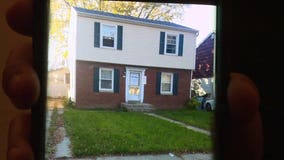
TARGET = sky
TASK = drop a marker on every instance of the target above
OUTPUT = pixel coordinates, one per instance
(201, 18)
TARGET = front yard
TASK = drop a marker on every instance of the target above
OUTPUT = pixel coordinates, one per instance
(108, 132)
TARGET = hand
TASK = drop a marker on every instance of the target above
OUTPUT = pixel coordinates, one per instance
(20, 81)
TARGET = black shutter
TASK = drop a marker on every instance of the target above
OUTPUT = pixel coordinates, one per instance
(162, 42)
(116, 80)
(175, 84)
(119, 37)
(96, 79)
(180, 46)
(97, 34)
(158, 83)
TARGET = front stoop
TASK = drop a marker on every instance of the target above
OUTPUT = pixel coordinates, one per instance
(137, 107)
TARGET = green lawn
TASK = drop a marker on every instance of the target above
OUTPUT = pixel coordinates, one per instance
(109, 132)
(197, 118)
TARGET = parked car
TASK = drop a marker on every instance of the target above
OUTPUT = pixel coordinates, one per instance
(207, 103)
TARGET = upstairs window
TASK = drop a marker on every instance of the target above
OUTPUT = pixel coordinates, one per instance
(171, 44)
(108, 36)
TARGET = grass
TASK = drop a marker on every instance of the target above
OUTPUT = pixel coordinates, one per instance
(107, 132)
(198, 118)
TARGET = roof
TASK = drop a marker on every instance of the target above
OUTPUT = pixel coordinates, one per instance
(129, 19)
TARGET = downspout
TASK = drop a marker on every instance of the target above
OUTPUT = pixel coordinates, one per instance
(190, 83)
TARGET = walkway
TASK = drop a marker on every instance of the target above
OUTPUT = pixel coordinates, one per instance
(180, 123)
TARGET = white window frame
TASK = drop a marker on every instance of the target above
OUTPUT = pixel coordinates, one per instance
(166, 42)
(112, 80)
(115, 36)
(171, 84)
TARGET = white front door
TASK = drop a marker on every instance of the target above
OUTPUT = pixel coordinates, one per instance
(134, 85)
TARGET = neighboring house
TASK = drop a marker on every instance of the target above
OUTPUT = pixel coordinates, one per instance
(204, 66)
(116, 59)
(58, 83)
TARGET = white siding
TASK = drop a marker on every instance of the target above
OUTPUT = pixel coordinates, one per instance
(140, 46)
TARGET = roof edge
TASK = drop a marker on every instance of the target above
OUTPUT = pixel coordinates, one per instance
(122, 18)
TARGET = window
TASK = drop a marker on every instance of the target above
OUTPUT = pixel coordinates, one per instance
(106, 79)
(171, 44)
(108, 36)
(67, 78)
(166, 83)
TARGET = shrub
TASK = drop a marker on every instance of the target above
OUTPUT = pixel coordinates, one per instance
(68, 103)
(193, 103)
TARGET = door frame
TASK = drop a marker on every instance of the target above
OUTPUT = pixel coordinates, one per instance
(135, 69)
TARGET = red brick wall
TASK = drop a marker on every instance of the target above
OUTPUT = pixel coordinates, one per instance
(167, 101)
(86, 97)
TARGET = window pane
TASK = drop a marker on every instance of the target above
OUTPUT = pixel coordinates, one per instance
(106, 74)
(108, 34)
(108, 41)
(171, 48)
(106, 84)
(171, 44)
(166, 87)
(166, 78)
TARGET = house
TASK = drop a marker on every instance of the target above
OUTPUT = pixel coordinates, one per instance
(116, 59)
(58, 83)
(204, 66)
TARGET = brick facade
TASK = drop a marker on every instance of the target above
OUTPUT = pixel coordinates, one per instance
(86, 97)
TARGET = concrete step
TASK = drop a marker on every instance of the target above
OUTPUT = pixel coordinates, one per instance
(137, 107)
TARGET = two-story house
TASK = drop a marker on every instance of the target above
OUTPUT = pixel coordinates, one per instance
(117, 59)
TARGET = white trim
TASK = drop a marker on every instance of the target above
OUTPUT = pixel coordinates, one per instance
(101, 36)
(171, 83)
(112, 80)
(142, 70)
(177, 44)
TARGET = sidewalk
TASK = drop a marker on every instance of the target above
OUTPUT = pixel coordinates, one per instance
(170, 156)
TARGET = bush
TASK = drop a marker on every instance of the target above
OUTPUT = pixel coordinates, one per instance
(193, 103)
(68, 103)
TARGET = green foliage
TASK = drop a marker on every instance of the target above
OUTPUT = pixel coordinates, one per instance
(193, 103)
(68, 103)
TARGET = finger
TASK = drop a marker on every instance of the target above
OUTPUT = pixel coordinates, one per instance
(243, 98)
(245, 140)
(20, 17)
(19, 130)
(19, 138)
(21, 53)
(20, 82)
(23, 152)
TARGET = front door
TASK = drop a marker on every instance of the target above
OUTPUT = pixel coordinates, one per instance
(134, 85)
